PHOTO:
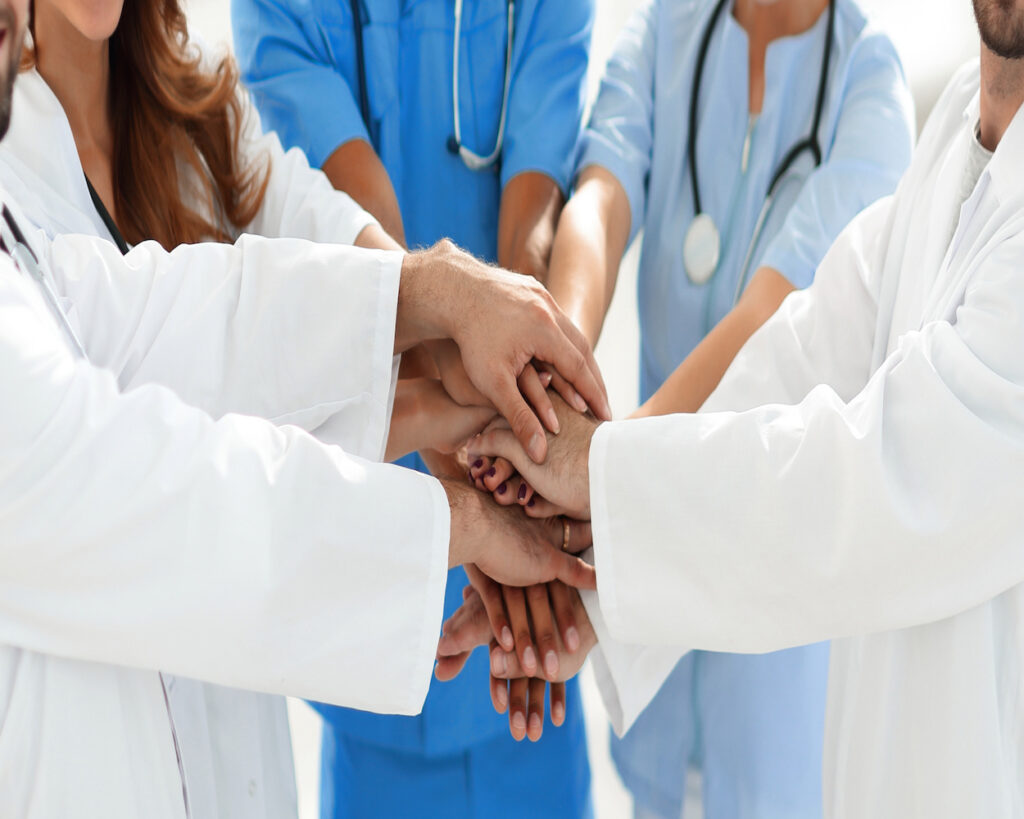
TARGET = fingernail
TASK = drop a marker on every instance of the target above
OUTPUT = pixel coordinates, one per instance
(545, 379)
(552, 421)
(578, 401)
(529, 660)
(532, 503)
(478, 463)
(506, 638)
(572, 638)
(502, 697)
(536, 726)
(519, 723)
(498, 664)
(558, 713)
(492, 472)
(501, 489)
(537, 447)
(551, 664)
(522, 491)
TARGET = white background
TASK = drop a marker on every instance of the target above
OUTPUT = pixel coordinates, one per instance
(933, 38)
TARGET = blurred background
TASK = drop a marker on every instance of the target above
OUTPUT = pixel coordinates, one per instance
(933, 37)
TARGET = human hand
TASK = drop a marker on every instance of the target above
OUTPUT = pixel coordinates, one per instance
(425, 417)
(563, 482)
(510, 547)
(501, 323)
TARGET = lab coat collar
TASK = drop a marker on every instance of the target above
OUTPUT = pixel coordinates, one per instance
(1003, 171)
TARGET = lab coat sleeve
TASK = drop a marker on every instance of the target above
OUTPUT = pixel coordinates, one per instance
(788, 524)
(548, 92)
(825, 332)
(300, 201)
(870, 150)
(620, 134)
(294, 332)
(286, 62)
(135, 530)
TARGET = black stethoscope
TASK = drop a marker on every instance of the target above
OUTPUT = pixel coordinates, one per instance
(702, 246)
(473, 161)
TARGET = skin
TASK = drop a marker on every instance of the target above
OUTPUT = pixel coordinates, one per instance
(1001, 24)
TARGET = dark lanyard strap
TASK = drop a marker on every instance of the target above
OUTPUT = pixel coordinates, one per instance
(108, 220)
(18, 236)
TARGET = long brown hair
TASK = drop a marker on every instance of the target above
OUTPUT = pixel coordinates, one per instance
(168, 114)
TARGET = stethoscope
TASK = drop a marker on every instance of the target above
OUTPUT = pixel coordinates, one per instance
(702, 246)
(25, 259)
(472, 160)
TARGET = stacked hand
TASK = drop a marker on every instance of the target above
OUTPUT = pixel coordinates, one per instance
(540, 634)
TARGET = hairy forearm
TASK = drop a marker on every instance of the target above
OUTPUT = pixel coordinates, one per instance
(588, 248)
(696, 378)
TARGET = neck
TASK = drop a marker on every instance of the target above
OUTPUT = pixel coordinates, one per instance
(765, 22)
(1002, 93)
(78, 72)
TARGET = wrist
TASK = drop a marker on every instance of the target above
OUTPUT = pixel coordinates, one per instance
(464, 503)
(426, 293)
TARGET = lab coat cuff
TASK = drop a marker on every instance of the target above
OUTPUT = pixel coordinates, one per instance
(383, 347)
(604, 549)
(628, 676)
(433, 599)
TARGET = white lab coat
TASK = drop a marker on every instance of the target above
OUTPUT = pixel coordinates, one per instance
(234, 745)
(856, 476)
(138, 533)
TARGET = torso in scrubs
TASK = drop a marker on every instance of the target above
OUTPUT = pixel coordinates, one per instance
(298, 58)
(752, 724)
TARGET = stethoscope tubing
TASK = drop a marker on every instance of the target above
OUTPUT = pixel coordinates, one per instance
(472, 160)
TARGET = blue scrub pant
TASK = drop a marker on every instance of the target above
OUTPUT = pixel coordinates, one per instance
(753, 724)
(494, 779)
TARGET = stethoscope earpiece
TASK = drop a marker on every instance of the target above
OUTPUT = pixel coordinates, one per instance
(453, 146)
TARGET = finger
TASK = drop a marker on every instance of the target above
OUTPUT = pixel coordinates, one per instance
(524, 494)
(501, 443)
(545, 377)
(479, 467)
(581, 536)
(466, 629)
(525, 425)
(565, 617)
(536, 689)
(499, 694)
(494, 604)
(574, 360)
(574, 572)
(543, 628)
(501, 470)
(448, 668)
(542, 509)
(531, 386)
(507, 491)
(569, 395)
(518, 691)
(557, 704)
(515, 605)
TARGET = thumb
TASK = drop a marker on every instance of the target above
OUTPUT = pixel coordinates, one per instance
(575, 572)
(524, 422)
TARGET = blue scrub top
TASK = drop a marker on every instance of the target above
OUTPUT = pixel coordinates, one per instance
(639, 129)
(753, 723)
(298, 59)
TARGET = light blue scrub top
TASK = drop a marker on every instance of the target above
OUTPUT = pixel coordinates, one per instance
(753, 723)
(298, 59)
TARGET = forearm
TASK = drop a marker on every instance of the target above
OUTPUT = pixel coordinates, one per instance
(696, 378)
(355, 168)
(530, 206)
(588, 248)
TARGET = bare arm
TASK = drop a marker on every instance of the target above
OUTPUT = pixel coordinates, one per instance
(696, 378)
(591, 239)
(530, 205)
(355, 168)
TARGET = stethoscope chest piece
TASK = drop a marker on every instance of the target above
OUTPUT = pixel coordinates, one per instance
(701, 249)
